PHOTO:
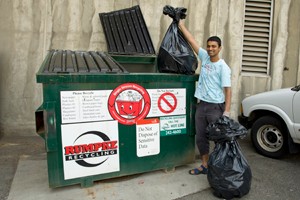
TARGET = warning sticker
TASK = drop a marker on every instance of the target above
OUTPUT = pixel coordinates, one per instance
(147, 137)
(167, 102)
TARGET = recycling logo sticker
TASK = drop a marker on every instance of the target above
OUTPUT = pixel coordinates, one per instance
(81, 152)
(90, 148)
(129, 103)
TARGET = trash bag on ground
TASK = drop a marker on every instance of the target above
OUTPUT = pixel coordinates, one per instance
(229, 173)
(225, 129)
(175, 54)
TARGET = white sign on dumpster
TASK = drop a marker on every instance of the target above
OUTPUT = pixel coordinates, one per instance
(90, 149)
(172, 125)
(102, 105)
(84, 106)
(166, 102)
(147, 137)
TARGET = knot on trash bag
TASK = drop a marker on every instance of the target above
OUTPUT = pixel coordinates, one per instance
(225, 129)
(175, 13)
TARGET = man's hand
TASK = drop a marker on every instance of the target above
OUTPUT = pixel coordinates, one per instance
(226, 113)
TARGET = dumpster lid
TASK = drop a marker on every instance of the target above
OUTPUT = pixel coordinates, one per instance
(126, 32)
(67, 61)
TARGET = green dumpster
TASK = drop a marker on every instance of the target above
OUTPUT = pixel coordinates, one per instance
(100, 120)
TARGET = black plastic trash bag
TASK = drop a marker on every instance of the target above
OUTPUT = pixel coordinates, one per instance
(229, 174)
(175, 54)
(225, 129)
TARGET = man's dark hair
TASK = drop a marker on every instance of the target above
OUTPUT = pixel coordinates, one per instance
(215, 39)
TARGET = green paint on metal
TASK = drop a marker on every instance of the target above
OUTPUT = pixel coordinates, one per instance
(175, 149)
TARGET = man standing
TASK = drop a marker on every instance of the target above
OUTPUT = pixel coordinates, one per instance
(213, 92)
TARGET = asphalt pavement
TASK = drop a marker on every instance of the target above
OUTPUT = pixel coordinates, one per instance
(23, 154)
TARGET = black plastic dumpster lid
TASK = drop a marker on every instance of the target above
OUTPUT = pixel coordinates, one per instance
(126, 32)
(67, 61)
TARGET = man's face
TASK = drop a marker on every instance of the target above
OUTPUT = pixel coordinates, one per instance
(213, 48)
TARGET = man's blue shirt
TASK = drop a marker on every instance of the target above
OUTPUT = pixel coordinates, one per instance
(214, 76)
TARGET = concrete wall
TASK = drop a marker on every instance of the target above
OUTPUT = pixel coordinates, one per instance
(291, 70)
(28, 28)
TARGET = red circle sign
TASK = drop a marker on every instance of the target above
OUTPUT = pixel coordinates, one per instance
(129, 103)
(168, 104)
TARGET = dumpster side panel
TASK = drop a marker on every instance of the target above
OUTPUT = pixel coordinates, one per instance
(173, 150)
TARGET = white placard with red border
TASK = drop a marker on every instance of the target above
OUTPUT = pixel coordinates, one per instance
(90, 149)
(147, 137)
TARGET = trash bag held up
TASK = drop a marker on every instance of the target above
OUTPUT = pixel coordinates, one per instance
(229, 174)
(175, 54)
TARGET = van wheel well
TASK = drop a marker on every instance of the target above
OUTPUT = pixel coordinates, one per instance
(260, 113)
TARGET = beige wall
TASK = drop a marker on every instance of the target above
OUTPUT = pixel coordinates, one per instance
(291, 71)
(28, 28)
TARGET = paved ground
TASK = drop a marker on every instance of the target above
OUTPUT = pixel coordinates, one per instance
(12, 148)
(272, 179)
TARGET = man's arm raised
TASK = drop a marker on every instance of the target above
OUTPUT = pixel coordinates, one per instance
(188, 36)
